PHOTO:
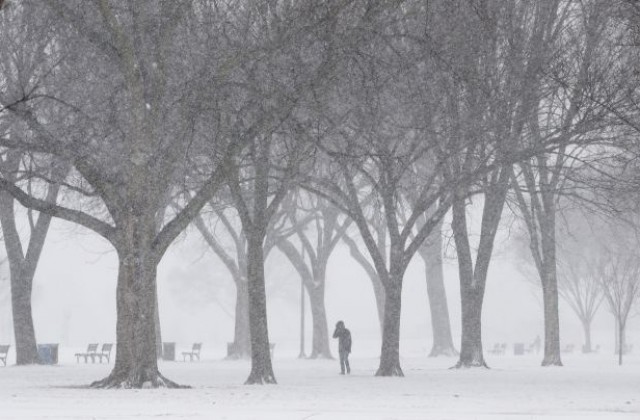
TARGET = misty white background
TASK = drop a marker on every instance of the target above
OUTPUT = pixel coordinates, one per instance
(75, 285)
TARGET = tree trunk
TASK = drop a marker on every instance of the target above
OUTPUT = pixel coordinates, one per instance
(136, 364)
(390, 354)
(616, 333)
(586, 327)
(21, 286)
(550, 287)
(22, 270)
(241, 338)
(320, 342)
(473, 280)
(551, 325)
(431, 253)
(471, 354)
(261, 368)
(621, 341)
(157, 327)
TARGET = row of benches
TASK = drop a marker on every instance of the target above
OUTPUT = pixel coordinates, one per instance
(93, 353)
(105, 352)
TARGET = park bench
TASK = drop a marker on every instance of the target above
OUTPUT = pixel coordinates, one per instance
(4, 350)
(105, 352)
(195, 352)
(499, 348)
(92, 352)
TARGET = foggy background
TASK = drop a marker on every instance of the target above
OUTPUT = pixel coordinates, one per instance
(75, 285)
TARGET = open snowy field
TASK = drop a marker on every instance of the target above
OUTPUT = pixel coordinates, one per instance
(588, 387)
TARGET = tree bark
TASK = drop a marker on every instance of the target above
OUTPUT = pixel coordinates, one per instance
(550, 284)
(157, 327)
(390, 353)
(320, 341)
(261, 368)
(551, 325)
(24, 332)
(431, 253)
(241, 339)
(471, 354)
(136, 363)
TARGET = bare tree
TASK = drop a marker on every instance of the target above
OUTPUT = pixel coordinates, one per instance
(311, 258)
(22, 265)
(123, 144)
(431, 253)
(578, 271)
(620, 281)
(18, 65)
(539, 182)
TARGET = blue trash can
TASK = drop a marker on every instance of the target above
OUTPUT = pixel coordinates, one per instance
(48, 354)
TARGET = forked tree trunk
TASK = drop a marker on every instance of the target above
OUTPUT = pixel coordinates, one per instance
(431, 253)
(473, 280)
(314, 282)
(136, 363)
(22, 268)
(320, 340)
(390, 353)
(261, 368)
(241, 338)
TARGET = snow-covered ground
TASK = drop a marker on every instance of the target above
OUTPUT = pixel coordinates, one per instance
(588, 387)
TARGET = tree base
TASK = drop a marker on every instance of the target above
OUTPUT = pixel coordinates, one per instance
(321, 355)
(468, 364)
(260, 379)
(126, 381)
(448, 351)
(390, 371)
(551, 361)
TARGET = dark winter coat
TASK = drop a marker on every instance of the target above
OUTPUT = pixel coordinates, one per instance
(344, 339)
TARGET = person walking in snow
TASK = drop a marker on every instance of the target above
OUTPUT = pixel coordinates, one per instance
(344, 346)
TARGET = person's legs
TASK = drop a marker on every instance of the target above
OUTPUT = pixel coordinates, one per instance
(346, 362)
(343, 362)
